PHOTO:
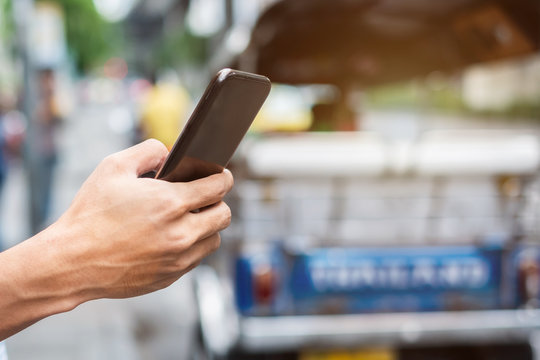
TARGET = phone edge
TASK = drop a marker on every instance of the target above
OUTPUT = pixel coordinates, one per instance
(191, 126)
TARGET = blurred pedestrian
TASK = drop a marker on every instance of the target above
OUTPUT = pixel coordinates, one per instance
(164, 110)
(42, 149)
(12, 128)
(333, 116)
(3, 167)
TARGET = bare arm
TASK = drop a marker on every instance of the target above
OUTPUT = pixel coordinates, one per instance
(122, 236)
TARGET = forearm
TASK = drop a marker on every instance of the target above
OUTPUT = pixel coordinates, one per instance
(36, 282)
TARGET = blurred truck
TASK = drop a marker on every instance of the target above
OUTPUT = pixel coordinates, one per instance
(352, 245)
(337, 245)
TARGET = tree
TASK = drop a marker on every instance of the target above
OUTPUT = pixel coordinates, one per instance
(89, 37)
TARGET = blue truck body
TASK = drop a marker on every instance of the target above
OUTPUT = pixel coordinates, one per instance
(365, 280)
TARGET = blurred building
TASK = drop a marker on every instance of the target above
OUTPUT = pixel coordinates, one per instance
(226, 23)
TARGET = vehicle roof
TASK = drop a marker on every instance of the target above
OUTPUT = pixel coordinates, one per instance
(372, 42)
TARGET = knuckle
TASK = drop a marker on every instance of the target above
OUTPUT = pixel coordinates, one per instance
(228, 184)
(231, 179)
(227, 215)
(179, 203)
(215, 243)
(182, 204)
(170, 202)
(112, 162)
(181, 241)
(182, 264)
(225, 185)
(173, 205)
(156, 146)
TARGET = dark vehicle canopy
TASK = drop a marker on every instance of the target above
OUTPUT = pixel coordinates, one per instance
(371, 42)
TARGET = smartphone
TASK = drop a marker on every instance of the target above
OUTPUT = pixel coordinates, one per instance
(219, 122)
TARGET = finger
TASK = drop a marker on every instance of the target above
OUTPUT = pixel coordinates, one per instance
(208, 221)
(190, 259)
(169, 280)
(141, 158)
(197, 252)
(207, 191)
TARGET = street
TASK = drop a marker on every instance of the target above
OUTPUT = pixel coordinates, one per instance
(155, 326)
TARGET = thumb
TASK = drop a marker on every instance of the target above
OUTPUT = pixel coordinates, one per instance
(143, 158)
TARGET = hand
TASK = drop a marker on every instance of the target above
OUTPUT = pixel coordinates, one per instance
(130, 235)
(123, 236)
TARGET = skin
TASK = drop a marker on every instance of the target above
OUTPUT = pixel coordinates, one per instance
(122, 236)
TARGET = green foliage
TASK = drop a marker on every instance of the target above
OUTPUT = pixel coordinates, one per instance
(518, 110)
(180, 46)
(393, 96)
(444, 97)
(90, 38)
(6, 19)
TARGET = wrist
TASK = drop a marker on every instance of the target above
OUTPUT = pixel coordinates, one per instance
(36, 282)
(64, 281)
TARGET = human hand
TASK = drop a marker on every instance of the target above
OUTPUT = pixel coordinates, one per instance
(122, 236)
(128, 236)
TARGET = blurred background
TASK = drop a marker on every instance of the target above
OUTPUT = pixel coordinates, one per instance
(387, 197)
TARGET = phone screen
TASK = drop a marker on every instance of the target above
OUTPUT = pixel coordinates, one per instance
(218, 124)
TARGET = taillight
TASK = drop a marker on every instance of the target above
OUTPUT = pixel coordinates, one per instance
(264, 284)
(529, 281)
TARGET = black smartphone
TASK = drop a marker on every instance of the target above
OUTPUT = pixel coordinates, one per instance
(219, 122)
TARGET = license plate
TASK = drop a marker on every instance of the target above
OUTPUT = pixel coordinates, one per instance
(371, 354)
(370, 271)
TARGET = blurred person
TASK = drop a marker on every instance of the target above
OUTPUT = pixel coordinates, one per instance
(322, 117)
(333, 116)
(42, 150)
(3, 164)
(164, 110)
(344, 115)
(122, 236)
(12, 127)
